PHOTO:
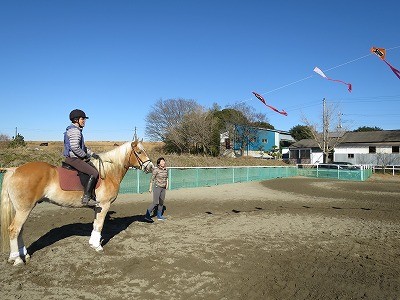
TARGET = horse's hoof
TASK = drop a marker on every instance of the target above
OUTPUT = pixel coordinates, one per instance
(11, 260)
(18, 261)
(27, 258)
(98, 248)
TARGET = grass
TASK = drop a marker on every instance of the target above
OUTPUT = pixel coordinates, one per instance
(53, 155)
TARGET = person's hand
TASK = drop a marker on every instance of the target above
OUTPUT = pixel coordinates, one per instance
(149, 190)
(95, 156)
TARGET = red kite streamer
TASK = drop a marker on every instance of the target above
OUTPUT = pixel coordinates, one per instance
(381, 53)
(319, 72)
(259, 97)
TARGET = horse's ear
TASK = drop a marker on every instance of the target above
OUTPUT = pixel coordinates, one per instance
(141, 141)
(134, 143)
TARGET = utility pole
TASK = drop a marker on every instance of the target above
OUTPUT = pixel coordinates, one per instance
(339, 127)
(135, 135)
(324, 129)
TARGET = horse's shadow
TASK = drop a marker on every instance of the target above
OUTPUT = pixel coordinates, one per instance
(112, 227)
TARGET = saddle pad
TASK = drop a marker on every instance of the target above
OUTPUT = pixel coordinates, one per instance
(69, 180)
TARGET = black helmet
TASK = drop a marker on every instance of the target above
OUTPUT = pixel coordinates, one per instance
(76, 114)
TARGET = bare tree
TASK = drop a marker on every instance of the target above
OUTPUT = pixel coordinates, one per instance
(250, 113)
(165, 116)
(330, 132)
(4, 140)
(386, 159)
(4, 137)
(195, 132)
(244, 131)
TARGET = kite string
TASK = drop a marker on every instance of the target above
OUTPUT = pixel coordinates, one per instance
(308, 77)
(343, 64)
(349, 62)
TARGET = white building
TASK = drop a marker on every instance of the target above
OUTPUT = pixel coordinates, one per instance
(369, 147)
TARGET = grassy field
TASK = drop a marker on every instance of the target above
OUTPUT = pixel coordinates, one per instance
(53, 155)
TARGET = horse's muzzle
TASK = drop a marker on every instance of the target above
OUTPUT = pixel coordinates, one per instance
(147, 166)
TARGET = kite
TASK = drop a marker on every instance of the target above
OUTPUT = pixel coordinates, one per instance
(319, 72)
(381, 53)
(259, 97)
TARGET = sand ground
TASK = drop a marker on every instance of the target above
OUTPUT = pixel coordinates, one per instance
(296, 238)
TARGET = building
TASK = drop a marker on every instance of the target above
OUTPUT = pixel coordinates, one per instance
(256, 142)
(371, 147)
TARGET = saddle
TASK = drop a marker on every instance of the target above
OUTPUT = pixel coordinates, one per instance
(71, 179)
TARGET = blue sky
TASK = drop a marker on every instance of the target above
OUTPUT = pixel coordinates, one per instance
(115, 59)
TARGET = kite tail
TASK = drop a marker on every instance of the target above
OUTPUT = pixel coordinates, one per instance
(349, 87)
(395, 71)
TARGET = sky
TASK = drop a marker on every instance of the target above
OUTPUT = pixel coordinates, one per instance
(116, 59)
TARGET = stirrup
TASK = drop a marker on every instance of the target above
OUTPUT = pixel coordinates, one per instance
(89, 201)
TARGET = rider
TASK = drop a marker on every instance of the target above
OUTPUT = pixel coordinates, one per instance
(77, 155)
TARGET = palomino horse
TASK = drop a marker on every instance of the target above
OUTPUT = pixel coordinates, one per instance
(25, 186)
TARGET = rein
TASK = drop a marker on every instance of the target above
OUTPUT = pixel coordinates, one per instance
(101, 166)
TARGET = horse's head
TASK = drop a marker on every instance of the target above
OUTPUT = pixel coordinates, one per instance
(138, 157)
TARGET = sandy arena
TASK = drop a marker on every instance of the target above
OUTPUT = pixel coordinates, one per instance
(296, 238)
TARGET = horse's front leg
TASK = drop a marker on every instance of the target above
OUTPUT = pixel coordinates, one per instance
(100, 215)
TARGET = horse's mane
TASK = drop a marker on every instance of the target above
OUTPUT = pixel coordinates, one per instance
(114, 159)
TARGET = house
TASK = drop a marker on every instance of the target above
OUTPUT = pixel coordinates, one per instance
(305, 151)
(254, 141)
(371, 147)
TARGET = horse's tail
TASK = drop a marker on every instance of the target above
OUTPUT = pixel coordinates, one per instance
(6, 210)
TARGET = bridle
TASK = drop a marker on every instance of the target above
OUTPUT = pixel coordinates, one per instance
(142, 163)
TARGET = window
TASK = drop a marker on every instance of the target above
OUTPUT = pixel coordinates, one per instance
(372, 149)
(305, 154)
(350, 155)
(395, 149)
(264, 140)
(227, 143)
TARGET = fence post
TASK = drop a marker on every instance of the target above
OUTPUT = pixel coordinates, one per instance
(169, 179)
(137, 180)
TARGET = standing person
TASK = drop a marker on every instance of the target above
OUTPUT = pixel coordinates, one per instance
(78, 155)
(159, 185)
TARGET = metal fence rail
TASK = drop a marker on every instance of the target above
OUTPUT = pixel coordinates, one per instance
(354, 172)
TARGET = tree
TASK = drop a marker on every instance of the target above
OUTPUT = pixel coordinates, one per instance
(165, 116)
(17, 141)
(367, 128)
(243, 126)
(330, 132)
(262, 124)
(4, 137)
(195, 132)
(4, 140)
(300, 132)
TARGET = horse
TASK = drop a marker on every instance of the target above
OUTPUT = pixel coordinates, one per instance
(25, 186)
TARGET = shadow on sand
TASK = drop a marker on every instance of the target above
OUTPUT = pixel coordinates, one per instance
(112, 227)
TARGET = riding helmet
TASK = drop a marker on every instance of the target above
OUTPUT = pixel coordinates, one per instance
(76, 114)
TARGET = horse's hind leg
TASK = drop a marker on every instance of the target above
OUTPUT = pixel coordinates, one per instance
(18, 252)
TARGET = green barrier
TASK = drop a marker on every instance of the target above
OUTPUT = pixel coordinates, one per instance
(362, 173)
(136, 181)
(1, 177)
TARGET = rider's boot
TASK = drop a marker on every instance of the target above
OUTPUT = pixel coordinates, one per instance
(87, 198)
